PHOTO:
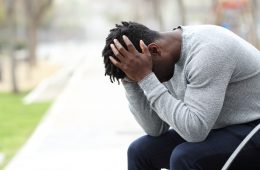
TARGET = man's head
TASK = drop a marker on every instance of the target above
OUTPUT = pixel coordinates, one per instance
(135, 32)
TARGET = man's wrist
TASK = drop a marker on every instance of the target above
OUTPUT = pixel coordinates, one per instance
(127, 80)
(151, 83)
(145, 77)
(130, 85)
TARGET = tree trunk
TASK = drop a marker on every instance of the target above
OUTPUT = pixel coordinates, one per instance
(11, 22)
(35, 10)
(13, 71)
(32, 42)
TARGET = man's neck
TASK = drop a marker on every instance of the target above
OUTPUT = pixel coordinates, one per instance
(172, 42)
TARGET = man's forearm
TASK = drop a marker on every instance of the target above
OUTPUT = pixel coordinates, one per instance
(144, 115)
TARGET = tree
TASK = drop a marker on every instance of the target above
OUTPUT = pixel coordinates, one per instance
(35, 10)
(1, 20)
(11, 23)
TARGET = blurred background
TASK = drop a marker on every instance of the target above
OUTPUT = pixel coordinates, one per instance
(57, 110)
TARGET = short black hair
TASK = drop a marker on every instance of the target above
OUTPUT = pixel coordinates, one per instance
(135, 32)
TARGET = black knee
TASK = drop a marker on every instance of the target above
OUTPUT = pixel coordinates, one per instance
(136, 149)
(137, 155)
(182, 157)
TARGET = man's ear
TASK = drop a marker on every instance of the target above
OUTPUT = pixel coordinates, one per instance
(154, 49)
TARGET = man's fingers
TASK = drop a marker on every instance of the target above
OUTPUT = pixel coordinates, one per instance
(116, 63)
(120, 48)
(116, 52)
(129, 44)
(144, 48)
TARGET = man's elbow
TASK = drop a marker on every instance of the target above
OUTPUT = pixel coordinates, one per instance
(154, 134)
(158, 132)
(197, 129)
(196, 137)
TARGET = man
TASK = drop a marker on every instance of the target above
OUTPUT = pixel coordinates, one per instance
(202, 81)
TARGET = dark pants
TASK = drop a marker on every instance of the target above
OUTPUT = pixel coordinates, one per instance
(172, 152)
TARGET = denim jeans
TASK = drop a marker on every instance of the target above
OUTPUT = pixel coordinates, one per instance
(172, 152)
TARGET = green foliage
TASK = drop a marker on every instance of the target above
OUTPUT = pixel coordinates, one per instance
(17, 122)
(19, 45)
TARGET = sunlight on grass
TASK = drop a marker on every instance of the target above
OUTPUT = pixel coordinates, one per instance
(17, 122)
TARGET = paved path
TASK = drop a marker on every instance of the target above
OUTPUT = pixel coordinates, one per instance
(88, 128)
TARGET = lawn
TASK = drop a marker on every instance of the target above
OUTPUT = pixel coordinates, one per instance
(17, 122)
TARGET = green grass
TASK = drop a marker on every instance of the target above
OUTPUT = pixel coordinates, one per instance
(17, 122)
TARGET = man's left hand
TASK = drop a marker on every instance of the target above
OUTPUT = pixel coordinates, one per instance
(134, 64)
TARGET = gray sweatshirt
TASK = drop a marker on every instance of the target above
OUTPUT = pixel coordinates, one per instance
(216, 83)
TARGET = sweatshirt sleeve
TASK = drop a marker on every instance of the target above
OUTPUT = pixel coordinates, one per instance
(151, 123)
(208, 75)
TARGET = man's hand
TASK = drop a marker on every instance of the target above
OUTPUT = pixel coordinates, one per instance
(134, 64)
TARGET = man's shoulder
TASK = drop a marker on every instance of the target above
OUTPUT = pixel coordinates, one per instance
(203, 27)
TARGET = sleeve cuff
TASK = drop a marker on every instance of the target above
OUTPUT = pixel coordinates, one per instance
(128, 80)
(131, 85)
(151, 86)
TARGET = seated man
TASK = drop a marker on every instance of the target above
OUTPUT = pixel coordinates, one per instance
(202, 81)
